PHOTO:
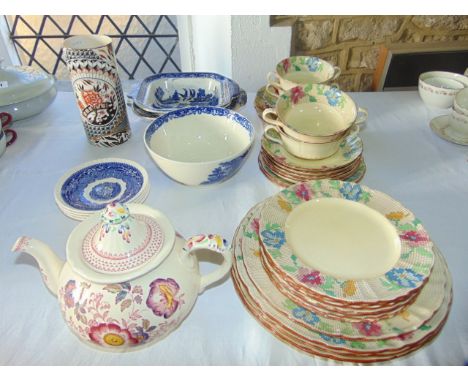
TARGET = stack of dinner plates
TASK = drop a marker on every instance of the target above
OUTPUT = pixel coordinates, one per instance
(89, 187)
(285, 169)
(341, 271)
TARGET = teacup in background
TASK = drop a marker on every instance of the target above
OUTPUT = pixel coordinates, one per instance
(458, 124)
(98, 90)
(438, 88)
(460, 103)
(297, 70)
(316, 105)
(5, 120)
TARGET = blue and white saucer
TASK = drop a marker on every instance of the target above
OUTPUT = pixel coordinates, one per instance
(89, 187)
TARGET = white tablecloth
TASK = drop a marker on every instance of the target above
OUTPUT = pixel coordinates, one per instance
(405, 159)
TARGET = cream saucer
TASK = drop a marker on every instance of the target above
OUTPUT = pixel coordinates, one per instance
(441, 126)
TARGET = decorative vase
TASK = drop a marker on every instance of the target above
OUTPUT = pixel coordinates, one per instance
(93, 71)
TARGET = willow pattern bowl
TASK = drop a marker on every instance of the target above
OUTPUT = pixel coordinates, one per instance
(199, 145)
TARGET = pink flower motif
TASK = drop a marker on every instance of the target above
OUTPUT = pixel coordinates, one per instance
(296, 94)
(368, 328)
(312, 278)
(302, 192)
(415, 238)
(111, 335)
(195, 239)
(255, 225)
(68, 295)
(405, 336)
(162, 297)
(286, 65)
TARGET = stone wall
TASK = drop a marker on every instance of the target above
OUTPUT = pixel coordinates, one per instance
(353, 42)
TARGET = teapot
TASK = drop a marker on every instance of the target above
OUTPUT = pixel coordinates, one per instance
(129, 279)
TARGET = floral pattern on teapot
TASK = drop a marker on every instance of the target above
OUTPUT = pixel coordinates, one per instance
(143, 312)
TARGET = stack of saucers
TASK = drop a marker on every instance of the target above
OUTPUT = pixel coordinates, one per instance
(341, 271)
(89, 187)
(313, 133)
(285, 169)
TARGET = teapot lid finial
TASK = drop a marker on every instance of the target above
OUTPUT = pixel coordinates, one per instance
(122, 242)
(115, 213)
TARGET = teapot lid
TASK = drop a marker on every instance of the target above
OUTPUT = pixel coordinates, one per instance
(121, 243)
(21, 83)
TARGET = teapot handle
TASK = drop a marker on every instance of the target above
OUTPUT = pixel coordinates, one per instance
(216, 244)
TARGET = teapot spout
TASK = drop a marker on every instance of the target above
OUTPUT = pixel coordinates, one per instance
(49, 263)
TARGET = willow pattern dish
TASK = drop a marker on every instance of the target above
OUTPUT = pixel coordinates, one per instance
(442, 127)
(89, 187)
(165, 92)
(428, 301)
(407, 275)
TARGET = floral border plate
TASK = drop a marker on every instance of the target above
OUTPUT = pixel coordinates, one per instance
(352, 350)
(248, 258)
(89, 187)
(406, 277)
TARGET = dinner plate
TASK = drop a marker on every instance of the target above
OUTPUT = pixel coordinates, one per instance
(423, 308)
(441, 126)
(89, 187)
(403, 274)
(330, 346)
(309, 343)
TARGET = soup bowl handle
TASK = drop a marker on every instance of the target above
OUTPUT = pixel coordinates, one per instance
(362, 115)
(268, 135)
(270, 116)
(336, 72)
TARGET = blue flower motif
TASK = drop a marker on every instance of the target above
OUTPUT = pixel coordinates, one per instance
(333, 340)
(351, 192)
(273, 238)
(404, 277)
(313, 63)
(306, 315)
(334, 96)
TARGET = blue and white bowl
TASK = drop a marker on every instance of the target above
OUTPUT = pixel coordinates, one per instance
(165, 92)
(199, 145)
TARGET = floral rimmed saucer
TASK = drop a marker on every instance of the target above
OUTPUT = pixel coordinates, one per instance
(405, 278)
(441, 126)
(355, 176)
(350, 149)
(89, 187)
